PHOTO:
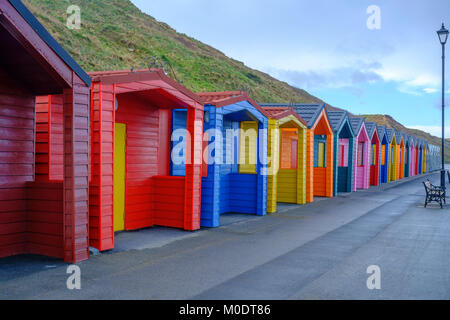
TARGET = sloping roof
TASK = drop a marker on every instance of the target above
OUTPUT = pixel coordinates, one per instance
(275, 112)
(282, 112)
(216, 97)
(420, 142)
(309, 112)
(390, 134)
(49, 40)
(117, 73)
(381, 132)
(370, 127)
(356, 123)
(336, 119)
(398, 136)
(226, 98)
(140, 77)
(406, 138)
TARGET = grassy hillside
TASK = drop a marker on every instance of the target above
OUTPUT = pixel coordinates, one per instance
(390, 122)
(117, 35)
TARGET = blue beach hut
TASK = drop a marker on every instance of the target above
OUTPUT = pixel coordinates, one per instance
(344, 140)
(234, 156)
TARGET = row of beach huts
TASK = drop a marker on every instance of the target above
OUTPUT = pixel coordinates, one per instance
(83, 156)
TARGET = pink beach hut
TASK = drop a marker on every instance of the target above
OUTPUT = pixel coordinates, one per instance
(361, 161)
(412, 154)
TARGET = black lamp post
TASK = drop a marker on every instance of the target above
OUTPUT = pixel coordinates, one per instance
(443, 36)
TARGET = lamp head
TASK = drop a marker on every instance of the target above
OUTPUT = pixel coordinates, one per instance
(443, 34)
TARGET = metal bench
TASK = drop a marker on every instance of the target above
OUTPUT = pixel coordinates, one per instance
(434, 193)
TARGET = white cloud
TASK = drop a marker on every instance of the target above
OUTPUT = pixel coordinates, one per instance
(433, 130)
(430, 90)
(408, 90)
(423, 80)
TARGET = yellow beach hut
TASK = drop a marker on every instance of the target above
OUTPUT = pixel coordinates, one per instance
(286, 181)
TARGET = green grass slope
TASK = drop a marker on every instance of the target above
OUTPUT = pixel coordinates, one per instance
(115, 34)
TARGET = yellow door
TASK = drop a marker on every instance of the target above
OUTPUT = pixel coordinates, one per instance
(119, 176)
(248, 143)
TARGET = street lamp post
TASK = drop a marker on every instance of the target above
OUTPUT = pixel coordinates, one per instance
(443, 35)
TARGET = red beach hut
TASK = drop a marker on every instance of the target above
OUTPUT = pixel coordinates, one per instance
(132, 182)
(39, 215)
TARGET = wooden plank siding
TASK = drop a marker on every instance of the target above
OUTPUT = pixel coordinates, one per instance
(310, 166)
(49, 138)
(273, 165)
(45, 218)
(101, 222)
(16, 164)
(193, 180)
(76, 171)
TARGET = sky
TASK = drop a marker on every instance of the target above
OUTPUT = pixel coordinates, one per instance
(377, 56)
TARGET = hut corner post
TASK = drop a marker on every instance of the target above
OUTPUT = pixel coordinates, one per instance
(193, 174)
(301, 166)
(273, 154)
(310, 166)
(351, 163)
(335, 164)
(261, 169)
(330, 167)
(76, 163)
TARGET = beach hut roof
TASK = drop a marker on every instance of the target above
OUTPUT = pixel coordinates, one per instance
(309, 112)
(381, 131)
(356, 123)
(406, 138)
(398, 136)
(216, 97)
(280, 113)
(420, 142)
(370, 127)
(49, 40)
(390, 133)
(144, 81)
(226, 98)
(337, 119)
